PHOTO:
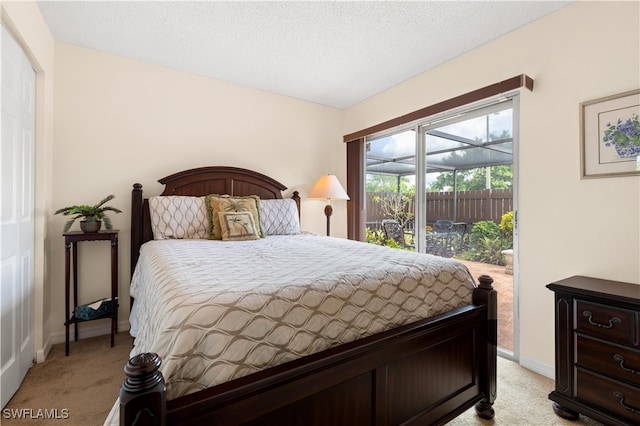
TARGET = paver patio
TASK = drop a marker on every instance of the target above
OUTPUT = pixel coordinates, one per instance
(503, 283)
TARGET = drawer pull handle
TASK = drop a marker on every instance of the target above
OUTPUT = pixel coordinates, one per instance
(612, 321)
(620, 397)
(620, 360)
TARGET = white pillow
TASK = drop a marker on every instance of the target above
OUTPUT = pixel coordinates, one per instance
(178, 217)
(279, 217)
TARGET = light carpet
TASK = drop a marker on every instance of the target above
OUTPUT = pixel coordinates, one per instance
(78, 390)
(81, 389)
(522, 400)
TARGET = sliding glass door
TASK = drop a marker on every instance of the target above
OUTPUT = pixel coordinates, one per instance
(445, 186)
(391, 188)
(468, 177)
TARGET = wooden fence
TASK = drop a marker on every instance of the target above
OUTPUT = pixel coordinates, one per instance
(463, 206)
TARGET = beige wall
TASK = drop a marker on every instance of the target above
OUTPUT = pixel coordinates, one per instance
(568, 226)
(24, 22)
(109, 111)
(120, 121)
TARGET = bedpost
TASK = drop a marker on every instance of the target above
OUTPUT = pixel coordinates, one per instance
(136, 224)
(142, 395)
(484, 294)
(296, 198)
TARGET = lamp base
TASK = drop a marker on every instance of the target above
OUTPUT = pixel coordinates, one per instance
(328, 211)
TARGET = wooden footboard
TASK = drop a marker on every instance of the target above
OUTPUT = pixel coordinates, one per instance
(427, 372)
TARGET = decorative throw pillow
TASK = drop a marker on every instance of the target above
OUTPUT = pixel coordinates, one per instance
(279, 217)
(225, 203)
(177, 217)
(238, 226)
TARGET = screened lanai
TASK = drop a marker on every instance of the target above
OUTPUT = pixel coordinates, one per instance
(446, 152)
(471, 141)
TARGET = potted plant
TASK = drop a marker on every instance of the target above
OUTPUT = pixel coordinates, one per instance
(93, 215)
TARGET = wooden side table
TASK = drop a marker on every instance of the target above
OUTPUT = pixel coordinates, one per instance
(71, 240)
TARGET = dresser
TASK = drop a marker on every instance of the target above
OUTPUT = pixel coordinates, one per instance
(597, 329)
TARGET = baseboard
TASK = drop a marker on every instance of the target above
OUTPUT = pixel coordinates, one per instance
(85, 331)
(538, 367)
(41, 354)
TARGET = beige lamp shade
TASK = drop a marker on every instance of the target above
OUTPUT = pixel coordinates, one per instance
(328, 188)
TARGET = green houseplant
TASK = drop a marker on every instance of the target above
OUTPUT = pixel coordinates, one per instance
(93, 215)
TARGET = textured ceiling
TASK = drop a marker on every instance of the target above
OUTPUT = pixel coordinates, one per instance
(333, 53)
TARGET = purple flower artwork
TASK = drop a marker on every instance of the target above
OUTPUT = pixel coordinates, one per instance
(624, 136)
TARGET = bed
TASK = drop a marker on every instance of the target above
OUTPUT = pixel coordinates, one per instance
(363, 346)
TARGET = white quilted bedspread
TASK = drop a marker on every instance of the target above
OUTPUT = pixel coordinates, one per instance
(216, 310)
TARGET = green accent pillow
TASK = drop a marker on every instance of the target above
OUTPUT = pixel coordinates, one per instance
(225, 203)
(238, 226)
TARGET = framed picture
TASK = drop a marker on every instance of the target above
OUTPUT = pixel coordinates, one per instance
(610, 135)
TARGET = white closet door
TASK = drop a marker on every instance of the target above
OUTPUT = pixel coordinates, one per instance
(16, 216)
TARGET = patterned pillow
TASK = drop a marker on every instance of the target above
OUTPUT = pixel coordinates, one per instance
(225, 203)
(177, 217)
(279, 217)
(238, 226)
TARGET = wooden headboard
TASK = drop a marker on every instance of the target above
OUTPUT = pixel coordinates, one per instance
(199, 182)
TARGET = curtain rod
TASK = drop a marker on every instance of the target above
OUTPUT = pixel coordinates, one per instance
(504, 86)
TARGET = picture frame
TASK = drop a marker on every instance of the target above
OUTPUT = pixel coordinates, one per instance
(610, 136)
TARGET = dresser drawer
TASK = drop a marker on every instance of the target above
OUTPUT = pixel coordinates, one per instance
(609, 360)
(610, 323)
(617, 398)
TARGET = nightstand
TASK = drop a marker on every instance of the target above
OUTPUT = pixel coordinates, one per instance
(597, 350)
(71, 240)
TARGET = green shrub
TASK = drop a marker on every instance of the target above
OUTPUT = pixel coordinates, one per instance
(484, 229)
(485, 250)
(506, 225)
(486, 242)
(376, 236)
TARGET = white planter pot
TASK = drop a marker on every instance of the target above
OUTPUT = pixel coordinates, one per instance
(508, 259)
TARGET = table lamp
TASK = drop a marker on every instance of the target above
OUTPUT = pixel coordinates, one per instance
(328, 188)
